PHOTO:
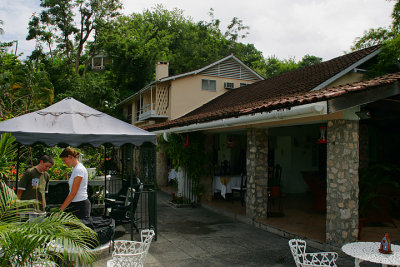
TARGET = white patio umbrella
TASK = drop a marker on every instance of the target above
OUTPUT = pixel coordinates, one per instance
(74, 123)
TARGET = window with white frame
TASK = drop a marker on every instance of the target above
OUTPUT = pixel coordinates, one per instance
(209, 85)
(243, 84)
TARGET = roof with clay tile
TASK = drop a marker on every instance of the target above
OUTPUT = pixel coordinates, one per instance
(283, 91)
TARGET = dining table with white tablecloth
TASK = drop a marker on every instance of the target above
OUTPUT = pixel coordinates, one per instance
(224, 183)
(172, 175)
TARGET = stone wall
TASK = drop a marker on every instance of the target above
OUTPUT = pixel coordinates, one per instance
(342, 181)
(257, 173)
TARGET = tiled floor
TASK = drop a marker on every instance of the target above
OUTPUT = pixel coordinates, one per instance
(300, 219)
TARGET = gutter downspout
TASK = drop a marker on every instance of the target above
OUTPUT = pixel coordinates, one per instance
(319, 108)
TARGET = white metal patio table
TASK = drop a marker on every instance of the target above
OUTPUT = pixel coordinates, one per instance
(368, 251)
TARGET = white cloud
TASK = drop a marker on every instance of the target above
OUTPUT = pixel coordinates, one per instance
(285, 28)
(15, 15)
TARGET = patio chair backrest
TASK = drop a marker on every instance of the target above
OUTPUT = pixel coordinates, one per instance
(303, 259)
(298, 249)
(122, 247)
(147, 235)
(130, 194)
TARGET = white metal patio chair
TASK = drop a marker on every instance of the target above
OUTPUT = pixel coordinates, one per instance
(303, 259)
(127, 260)
(131, 253)
(146, 236)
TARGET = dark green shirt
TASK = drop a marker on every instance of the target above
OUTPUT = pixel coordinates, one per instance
(34, 185)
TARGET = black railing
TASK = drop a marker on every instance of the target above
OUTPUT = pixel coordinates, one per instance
(139, 206)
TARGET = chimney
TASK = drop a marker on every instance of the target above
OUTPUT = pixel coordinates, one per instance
(161, 70)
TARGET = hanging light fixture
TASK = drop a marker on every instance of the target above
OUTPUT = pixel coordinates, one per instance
(322, 138)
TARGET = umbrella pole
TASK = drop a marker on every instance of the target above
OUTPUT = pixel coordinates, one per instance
(105, 178)
(17, 173)
(131, 185)
(105, 167)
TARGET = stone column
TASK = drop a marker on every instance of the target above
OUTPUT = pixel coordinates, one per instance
(162, 169)
(205, 179)
(342, 181)
(257, 173)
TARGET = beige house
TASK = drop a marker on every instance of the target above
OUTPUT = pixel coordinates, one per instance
(170, 97)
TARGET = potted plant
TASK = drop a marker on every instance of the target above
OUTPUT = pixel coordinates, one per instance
(187, 153)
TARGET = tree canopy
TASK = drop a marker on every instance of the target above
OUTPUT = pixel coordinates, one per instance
(56, 25)
(135, 42)
(389, 38)
(25, 87)
(69, 33)
(275, 66)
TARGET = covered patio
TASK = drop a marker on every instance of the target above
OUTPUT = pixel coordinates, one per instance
(349, 128)
(300, 222)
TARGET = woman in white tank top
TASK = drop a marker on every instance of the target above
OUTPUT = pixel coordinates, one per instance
(77, 201)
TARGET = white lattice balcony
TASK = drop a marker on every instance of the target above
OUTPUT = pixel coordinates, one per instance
(149, 111)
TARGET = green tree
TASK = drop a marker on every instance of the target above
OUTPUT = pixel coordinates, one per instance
(25, 86)
(56, 24)
(4, 45)
(389, 38)
(137, 41)
(275, 66)
(94, 90)
(309, 60)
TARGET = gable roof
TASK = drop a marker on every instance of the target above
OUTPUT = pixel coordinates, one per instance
(283, 91)
(228, 67)
(217, 68)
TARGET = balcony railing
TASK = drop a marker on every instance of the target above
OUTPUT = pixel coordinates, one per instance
(147, 111)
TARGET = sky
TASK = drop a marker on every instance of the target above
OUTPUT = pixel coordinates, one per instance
(282, 28)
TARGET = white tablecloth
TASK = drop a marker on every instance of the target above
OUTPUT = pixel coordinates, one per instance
(172, 175)
(217, 186)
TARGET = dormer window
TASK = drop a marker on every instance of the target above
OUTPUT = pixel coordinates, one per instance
(209, 85)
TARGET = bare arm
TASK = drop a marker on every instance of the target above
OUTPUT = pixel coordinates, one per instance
(72, 194)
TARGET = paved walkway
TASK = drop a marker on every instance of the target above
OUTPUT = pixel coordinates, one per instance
(200, 237)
